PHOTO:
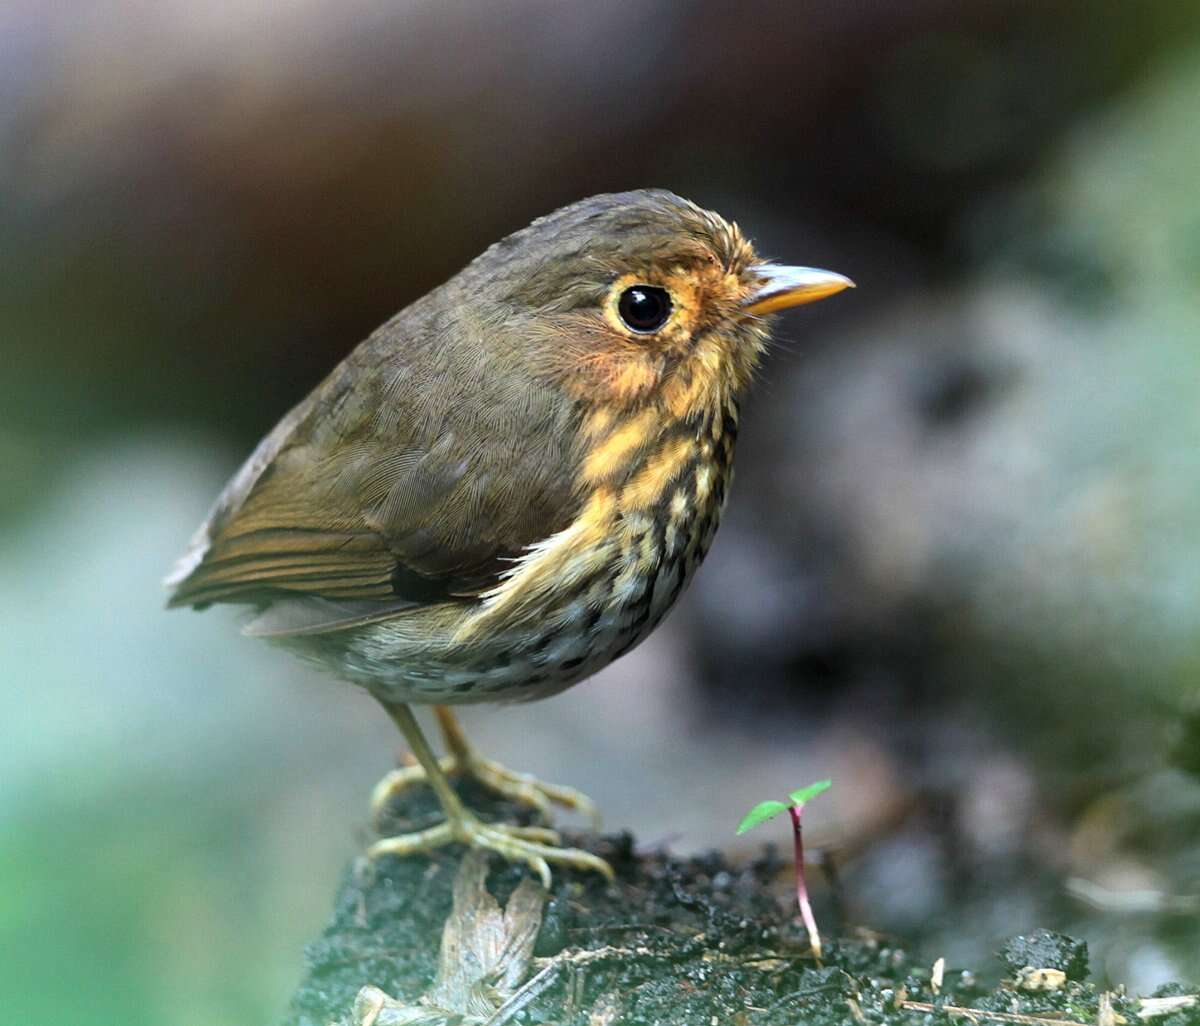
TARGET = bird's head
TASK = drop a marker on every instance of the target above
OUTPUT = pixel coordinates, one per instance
(628, 297)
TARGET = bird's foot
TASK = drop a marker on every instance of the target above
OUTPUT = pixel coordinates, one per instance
(537, 847)
(523, 788)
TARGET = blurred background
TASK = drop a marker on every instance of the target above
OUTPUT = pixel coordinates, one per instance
(960, 572)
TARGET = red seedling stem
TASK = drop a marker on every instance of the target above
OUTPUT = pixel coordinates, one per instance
(806, 913)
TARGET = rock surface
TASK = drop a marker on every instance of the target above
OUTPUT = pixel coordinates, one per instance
(672, 943)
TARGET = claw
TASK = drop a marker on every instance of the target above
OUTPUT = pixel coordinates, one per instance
(522, 788)
(398, 780)
(535, 846)
(528, 789)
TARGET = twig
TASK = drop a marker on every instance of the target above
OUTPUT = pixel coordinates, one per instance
(585, 956)
(582, 956)
(1152, 1007)
(798, 995)
(531, 989)
(1132, 901)
(977, 1014)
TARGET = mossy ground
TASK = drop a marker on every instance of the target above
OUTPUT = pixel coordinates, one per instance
(674, 942)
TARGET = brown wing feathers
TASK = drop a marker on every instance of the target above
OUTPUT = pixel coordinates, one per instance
(360, 495)
(244, 567)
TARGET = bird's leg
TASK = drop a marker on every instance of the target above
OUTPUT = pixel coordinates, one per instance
(460, 757)
(535, 846)
(518, 787)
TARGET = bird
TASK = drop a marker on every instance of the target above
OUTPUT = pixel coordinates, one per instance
(507, 485)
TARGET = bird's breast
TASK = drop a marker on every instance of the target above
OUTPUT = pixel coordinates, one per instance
(599, 586)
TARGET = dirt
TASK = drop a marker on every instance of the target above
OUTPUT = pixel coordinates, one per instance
(674, 942)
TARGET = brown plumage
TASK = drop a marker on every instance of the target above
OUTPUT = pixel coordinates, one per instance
(507, 485)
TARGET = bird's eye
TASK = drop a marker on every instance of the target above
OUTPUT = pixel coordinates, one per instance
(644, 308)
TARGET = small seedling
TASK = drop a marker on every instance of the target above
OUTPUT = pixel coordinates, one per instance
(793, 806)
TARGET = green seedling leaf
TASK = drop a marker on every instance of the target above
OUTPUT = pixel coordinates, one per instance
(760, 814)
(807, 794)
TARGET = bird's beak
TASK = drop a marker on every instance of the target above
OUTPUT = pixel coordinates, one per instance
(782, 287)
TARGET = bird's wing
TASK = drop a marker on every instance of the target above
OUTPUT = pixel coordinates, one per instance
(412, 475)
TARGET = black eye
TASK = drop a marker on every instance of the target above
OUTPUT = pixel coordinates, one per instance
(644, 308)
